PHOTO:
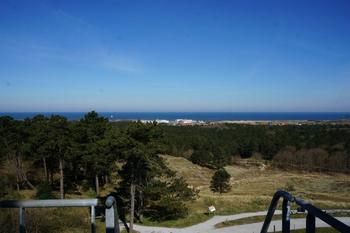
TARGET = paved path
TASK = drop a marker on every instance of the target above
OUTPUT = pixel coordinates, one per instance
(208, 226)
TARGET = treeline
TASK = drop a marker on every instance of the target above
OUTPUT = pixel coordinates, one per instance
(315, 159)
(307, 147)
(53, 153)
(46, 153)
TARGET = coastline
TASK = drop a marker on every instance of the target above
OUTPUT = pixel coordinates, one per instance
(188, 118)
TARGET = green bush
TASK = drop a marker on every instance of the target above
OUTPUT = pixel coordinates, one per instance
(220, 181)
(168, 208)
(44, 191)
(85, 185)
(91, 193)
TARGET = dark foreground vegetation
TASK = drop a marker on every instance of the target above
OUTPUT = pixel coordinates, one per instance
(46, 154)
(55, 157)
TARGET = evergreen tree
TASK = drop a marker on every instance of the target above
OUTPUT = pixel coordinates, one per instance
(92, 146)
(142, 164)
(202, 157)
(39, 153)
(58, 144)
(220, 181)
(147, 184)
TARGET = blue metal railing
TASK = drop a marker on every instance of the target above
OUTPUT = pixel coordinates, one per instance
(111, 213)
(312, 213)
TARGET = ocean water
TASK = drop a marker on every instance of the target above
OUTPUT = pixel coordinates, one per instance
(203, 116)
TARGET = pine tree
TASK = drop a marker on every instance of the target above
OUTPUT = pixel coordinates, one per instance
(220, 181)
(58, 143)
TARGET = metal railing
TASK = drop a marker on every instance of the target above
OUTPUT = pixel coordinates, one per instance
(112, 218)
(312, 213)
(111, 213)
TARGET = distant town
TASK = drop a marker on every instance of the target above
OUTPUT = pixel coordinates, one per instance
(191, 122)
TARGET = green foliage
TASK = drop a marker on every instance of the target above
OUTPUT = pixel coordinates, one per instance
(166, 199)
(178, 188)
(85, 185)
(44, 191)
(92, 146)
(159, 194)
(245, 140)
(201, 157)
(220, 181)
(91, 193)
(168, 208)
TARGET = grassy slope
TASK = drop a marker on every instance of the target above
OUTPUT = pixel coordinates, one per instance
(253, 188)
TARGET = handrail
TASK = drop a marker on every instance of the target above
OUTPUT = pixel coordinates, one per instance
(111, 213)
(23, 204)
(312, 213)
(48, 203)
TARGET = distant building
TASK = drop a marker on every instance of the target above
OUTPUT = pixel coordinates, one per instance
(185, 122)
(162, 121)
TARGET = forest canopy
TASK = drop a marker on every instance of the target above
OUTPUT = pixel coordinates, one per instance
(53, 154)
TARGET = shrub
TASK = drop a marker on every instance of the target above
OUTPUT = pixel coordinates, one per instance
(201, 157)
(44, 191)
(220, 181)
(91, 193)
(168, 208)
(85, 185)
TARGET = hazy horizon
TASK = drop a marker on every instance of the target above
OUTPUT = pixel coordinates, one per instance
(174, 56)
(174, 111)
(197, 116)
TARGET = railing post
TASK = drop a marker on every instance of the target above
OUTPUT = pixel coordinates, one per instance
(272, 208)
(22, 223)
(285, 216)
(269, 214)
(93, 220)
(112, 219)
(310, 223)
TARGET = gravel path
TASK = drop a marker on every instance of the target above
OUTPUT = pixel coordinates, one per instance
(208, 226)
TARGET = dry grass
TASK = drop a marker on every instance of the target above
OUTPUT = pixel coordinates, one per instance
(253, 187)
(195, 175)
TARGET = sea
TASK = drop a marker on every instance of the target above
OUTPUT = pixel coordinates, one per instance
(199, 116)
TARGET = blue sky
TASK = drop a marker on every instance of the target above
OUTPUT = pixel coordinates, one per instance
(191, 55)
